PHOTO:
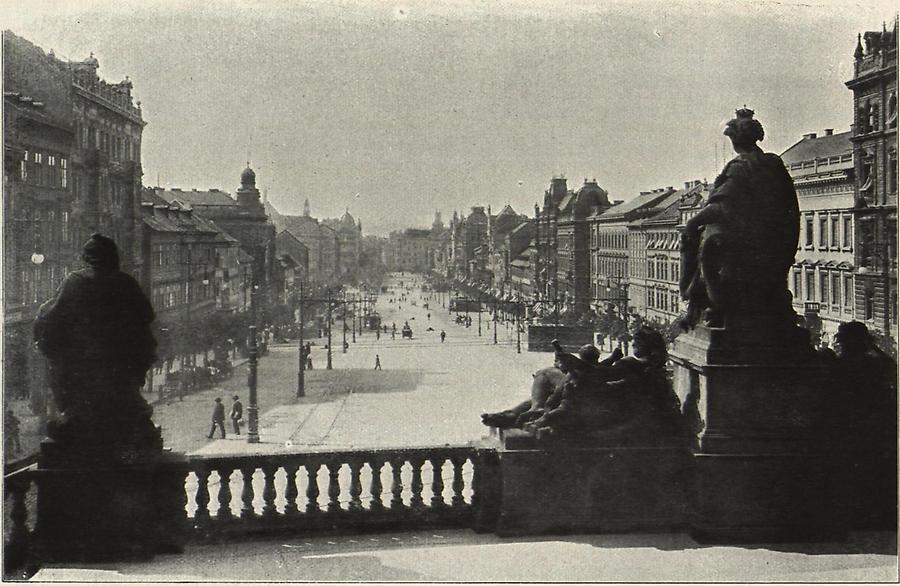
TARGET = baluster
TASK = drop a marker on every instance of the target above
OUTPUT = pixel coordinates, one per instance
(417, 486)
(458, 500)
(16, 550)
(375, 488)
(396, 485)
(355, 486)
(202, 497)
(224, 512)
(312, 489)
(247, 511)
(290, 491)
(269, 509)
(334, 487)
(437, 483)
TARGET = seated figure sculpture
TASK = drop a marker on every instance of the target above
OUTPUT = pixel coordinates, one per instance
(736, 252)
(547, 381)
(628, 400)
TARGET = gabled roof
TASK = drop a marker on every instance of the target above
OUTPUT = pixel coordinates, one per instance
(809, 149)
(640, 203)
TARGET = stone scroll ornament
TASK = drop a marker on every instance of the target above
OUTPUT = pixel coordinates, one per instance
(96, 336)
(736, 252)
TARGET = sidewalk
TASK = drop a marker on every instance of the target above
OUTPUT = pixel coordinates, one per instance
(459, 555)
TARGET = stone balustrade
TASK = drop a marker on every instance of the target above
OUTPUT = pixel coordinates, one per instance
(344, 491)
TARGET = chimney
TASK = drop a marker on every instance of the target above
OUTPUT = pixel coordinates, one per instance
(809, 136)
(146, 209)
(829, 131)
(688, 184)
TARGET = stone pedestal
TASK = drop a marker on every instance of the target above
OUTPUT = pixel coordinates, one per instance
(761, 473)
(94, 505)
(546, 488)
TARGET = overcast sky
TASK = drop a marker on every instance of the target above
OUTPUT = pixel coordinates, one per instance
(397, 109)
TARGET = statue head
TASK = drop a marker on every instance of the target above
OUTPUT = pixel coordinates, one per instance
(100, 253)
(648, 344)
(743, 130)
(852, 339)
(589, 353)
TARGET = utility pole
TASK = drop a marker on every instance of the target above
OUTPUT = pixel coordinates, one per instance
(328, 319)
(301, 354)
(495, 323)
(253, 409)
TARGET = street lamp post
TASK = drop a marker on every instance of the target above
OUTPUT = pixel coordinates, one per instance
(495, 323)
(344, 339)
(328, 320)
(253, 409)
(353, 320)
(301, 358)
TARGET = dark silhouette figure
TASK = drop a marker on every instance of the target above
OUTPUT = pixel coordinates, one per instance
(237, 413)
(377, 362)
(737, 250)
(218, 418)
(443, 336)
(96, 336)
(862, 429)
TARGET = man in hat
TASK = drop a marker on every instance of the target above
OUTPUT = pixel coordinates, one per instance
(96, 336)
(237, 413)
(218, 418)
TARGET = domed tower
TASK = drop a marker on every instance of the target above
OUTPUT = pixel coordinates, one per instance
(247, 193)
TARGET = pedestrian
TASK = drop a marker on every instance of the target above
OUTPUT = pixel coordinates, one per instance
(393, 334)
(237, 413)
(443, 336)
(218, 418)
(377, 362)
(11, 438)
(429, 316)
(309, 364)
(377, 334)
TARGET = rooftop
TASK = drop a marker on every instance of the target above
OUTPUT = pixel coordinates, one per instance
(812, 147)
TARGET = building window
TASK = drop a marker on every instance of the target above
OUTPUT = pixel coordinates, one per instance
(798, 293)
(848, 232)
(810, 285)
(835, 227)
(809, 230)
(823, 287)
(823, 231)
(835, 289)
(23, 168)
(65, 227)
(848, 291)
(63, 174)
(870, 304)
(892, 172)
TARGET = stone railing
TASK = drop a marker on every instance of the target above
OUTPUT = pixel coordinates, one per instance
(345, 491)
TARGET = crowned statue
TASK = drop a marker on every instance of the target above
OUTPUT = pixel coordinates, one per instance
(736, 252)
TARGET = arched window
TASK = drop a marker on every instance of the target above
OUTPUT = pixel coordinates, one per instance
(892, 112)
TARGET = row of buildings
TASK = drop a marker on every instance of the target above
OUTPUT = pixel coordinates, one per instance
(582, 253)
(72, 167)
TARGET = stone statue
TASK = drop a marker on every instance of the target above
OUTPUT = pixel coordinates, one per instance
(736, 252)
(96, 336)
(628, 400)
(545, 383)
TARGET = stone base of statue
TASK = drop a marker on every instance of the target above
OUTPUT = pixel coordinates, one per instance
(566, 486)
(757, 399)
(104, 503)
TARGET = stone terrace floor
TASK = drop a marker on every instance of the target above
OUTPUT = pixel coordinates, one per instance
(461, 555)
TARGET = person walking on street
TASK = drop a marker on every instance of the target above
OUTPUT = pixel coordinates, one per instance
(377, 362)
(237, 413)
(443, 336)
(218, 418)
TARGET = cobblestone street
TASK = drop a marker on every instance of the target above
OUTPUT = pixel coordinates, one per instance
(428, 393)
